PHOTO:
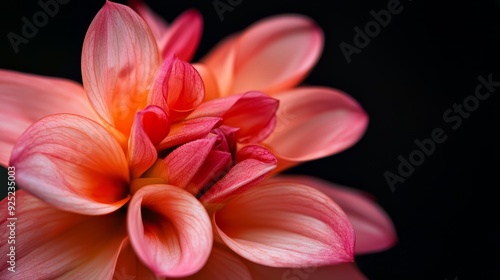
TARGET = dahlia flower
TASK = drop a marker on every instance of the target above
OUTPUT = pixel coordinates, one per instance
(158, 167)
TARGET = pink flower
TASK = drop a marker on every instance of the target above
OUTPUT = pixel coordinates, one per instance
(166, 171)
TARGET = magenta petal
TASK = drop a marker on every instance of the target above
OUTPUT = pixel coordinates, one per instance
(184, 162)
(253, 164)
(149, 128)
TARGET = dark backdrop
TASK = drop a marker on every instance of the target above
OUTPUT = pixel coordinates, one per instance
(427, 59)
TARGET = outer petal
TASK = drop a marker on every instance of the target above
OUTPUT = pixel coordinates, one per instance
(150, 127)
(253, 164)
(169, 230)
(272, 55)
(345, 271)
(286, 225)
(314, 122)
(373, 227)
(119, 61)
(53, 244)
(72, 163)
(26, 98)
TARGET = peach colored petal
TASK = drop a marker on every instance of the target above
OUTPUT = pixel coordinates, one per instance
(169, 230)
(253, 164)
(220, 61)
(183, 163)
(54, 244)
(26, 98)
(150, 127)
(72, 163)
(345, 271)
(119, 62)
(209, 81)
(189, 130)
(373, 227)
(286, 225)
(272, 55)
(315, 122)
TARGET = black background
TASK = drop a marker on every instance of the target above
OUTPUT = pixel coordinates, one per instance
(427, 59)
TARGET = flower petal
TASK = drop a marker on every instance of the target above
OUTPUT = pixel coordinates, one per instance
(158, 26)
(169, 230)
(189, 130)
(150, 128)
(314, 122)
(209, 81)
(374, 229)
(26, 98)
(184, 162)
(129, 266)
(286, 225)
(54, 244)
(222, 265)
(183, 36)
(272, 55)
(344, 271)
(215, 166)
(252, 112)
(220, 62)
(254, 163)
(177, 87)
(72, 163)
(119, 62)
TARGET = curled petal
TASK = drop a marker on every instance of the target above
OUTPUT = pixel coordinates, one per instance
(253, 113)
(254, 163)
(314, 122)
(286, 225)
(169, 230)
(72, 163)
(177, 87)
(274, 54)
(26, 98)
(183, 163)
(150, 127)
(119, 61)
(374, 229)
(55, 244)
